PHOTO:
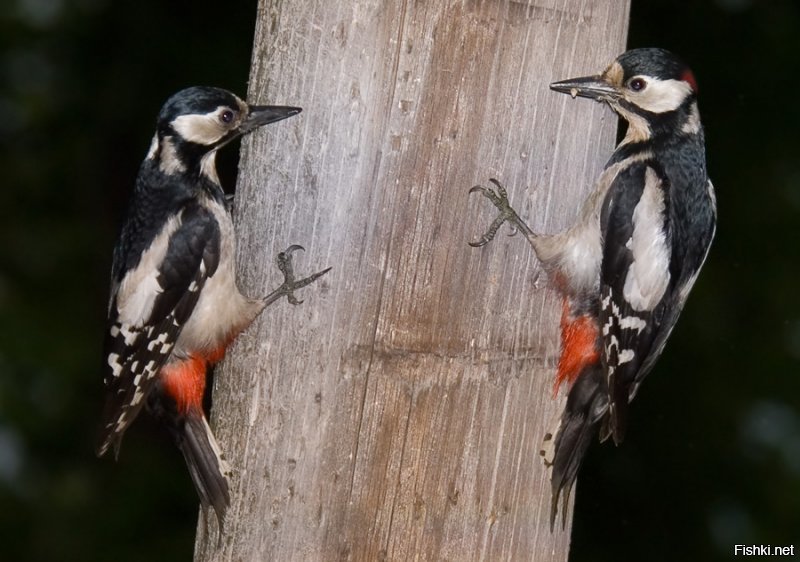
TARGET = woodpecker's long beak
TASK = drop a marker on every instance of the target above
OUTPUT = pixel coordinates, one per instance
(260, 115)
(592, 87)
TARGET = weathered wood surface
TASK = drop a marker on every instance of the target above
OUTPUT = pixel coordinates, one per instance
(397, 414)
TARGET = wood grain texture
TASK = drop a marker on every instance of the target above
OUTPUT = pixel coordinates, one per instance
(398, 412)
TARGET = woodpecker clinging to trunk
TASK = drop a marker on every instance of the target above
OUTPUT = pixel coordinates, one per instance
(627, 265)
(174, 304)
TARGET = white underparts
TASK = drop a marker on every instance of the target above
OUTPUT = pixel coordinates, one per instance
(577, 253)
(221, 310)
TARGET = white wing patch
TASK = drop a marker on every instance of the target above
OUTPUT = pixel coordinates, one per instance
(625, 356)
(648, 275)
(614, 354)
(632, 323)
(114, 363)
(139, 288)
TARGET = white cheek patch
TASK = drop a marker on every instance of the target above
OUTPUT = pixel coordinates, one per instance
(661, 96)
(648, 276)
(200, 129)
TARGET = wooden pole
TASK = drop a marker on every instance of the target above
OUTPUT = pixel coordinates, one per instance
(397, 414)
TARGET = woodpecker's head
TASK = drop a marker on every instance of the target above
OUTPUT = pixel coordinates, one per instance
(650, 88)
(197, 121)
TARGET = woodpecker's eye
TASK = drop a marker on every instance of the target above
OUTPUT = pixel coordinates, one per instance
(637, 84)
(226, 116)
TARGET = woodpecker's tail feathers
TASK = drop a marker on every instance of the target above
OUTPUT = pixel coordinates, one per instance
(618, 412)
(586, 405)
(108, 440)
(113, 431)
(209, 470)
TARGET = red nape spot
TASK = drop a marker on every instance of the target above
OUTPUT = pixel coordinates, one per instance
(578, 346)
(185, 382)
(688, 77)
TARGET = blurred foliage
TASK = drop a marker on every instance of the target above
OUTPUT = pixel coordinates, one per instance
(713, 455)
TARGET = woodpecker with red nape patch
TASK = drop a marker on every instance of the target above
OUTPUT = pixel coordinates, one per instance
(625, 268)
(175, 305)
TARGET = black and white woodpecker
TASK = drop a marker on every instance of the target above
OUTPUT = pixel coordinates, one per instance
(625, 268)
(175, 305)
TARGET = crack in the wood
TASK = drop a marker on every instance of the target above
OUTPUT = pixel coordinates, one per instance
(396, 494)
(490, 519)
(538, 355)
(387, 253)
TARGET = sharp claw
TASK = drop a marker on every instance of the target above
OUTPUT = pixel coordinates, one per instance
(229, 201)
(290, 284)
(319, 274)
(499, 198)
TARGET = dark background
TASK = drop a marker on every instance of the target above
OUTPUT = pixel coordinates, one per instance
(713, 458)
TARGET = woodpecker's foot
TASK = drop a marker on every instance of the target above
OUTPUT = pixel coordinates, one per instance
(499, 199)
(229, 198)
(290, 284)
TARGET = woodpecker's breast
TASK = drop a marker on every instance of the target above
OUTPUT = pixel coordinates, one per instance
(573, 257)
(221, 310)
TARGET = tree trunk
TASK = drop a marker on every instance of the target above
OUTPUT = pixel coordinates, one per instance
(397, 414)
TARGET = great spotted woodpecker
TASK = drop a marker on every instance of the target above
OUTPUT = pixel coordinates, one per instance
(627, 265)
(175, 305)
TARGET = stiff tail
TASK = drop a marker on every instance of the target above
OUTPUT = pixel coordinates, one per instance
(207, 466)
(587, 403)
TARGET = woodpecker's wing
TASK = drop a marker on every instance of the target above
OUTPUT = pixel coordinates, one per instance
(635, 282)
(650, 263)
(149, 306)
